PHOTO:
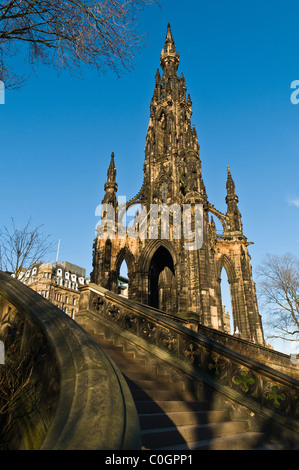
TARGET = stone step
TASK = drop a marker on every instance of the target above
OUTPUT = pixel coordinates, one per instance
(133, 374)
(155, 385)
(170, 417)
(161, 395)
(120, 354)
(162, 437)
(131, 369)
(242, 441)
(125, 359)
(106, 342)
(113, 347)
(150, 406)
(180, 418)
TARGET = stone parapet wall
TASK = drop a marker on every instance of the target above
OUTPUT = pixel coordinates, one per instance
(95, 409)
(268, 393)
(275, 359)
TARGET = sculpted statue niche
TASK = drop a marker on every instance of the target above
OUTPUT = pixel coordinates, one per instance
(162, 134)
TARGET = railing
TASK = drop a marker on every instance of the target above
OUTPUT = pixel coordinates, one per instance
(284, 363)
(250, 383)
(92, 407)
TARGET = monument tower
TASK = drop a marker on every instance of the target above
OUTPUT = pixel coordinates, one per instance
(164, 270)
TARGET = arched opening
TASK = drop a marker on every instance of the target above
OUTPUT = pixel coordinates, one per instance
(226, 303)
(162, 284)
(123, 280)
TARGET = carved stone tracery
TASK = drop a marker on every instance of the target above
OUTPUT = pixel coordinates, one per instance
(173, 177)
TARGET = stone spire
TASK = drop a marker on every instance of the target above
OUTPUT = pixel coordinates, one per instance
(170, 58)
(234, 223)
(110, 185)
(172, 148)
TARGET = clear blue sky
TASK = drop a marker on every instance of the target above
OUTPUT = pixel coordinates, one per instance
(239, 60)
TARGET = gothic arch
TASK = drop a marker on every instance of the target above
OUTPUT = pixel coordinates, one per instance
(125, 255)
(227, 263)
(150, 250)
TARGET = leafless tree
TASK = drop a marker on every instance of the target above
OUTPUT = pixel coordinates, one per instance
(279, 290)
(66, 34)
(20, 248)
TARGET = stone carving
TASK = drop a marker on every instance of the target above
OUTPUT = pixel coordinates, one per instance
(244, 378)
(173, 176)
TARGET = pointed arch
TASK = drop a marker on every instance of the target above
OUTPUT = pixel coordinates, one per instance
(149, 251)
(161, 281)
(125, 254)
(227, 263)
(226, 303)
(157, 267)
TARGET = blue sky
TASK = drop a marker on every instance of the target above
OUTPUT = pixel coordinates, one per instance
(239, 60)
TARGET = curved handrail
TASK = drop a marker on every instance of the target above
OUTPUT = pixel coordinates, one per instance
(95, 409)
(241, 378)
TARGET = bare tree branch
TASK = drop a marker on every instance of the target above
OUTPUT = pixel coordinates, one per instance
(279, 293)
(101, 34)
(20, 248)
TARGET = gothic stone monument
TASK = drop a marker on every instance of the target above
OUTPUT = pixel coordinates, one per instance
(162, 271)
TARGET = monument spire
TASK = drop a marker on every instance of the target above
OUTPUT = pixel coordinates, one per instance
(110, 185)
(234, 223)
(170, 58)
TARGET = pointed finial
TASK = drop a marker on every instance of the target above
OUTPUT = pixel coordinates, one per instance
(230, 185)
(168, 34)
(110, 185)
(111, 174)
(169, 56)
(234, 223)
(169, 42)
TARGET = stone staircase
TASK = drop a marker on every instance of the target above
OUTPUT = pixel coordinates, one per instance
(171, 417)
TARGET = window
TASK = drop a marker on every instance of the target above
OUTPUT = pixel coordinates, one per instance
(66, 299)
(59, 272)
(74, 300)
(67, 275)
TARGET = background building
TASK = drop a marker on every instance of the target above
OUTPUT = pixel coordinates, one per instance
(59, 283)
